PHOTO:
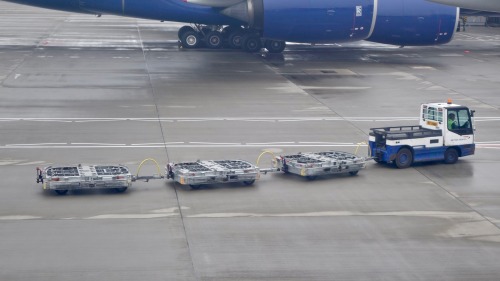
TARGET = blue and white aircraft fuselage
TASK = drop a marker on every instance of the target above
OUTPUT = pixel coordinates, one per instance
(252, 24)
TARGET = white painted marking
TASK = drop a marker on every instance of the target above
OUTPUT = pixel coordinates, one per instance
(159, 213)
(291, 120)
(100, 144)
(9, 162)
(451, 55)
(16, 76)
(428, 182)
(431, 214)
(271, 143)
(215, 143)
(181, 106)
(58, 121)
(89, 121)
(257, 120)
(38, 144)
(488, 146)
(423, 67)
(130, 216)
(159, 143)
(31, 163)
(20, 217)
(332, 143)
(193, 120)
(334, 88)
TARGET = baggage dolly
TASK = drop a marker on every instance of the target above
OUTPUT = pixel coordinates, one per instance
(204, 172)
(314, 164)
(61, 179)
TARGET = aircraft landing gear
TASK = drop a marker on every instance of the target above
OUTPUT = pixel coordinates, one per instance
(235, 37)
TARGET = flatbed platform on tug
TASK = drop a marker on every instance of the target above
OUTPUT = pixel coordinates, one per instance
(314, 164)
(204, 172)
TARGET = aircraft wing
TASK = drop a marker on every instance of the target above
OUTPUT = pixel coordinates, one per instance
(469, 12)
(477, 5)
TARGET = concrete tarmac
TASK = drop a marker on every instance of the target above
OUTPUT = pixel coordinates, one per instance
(80, 89)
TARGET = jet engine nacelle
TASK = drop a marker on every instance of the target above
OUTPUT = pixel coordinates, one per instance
(318, 21)
(397, 22)
(414, 22)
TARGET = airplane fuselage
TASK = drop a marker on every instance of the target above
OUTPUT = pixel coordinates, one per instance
(397, 22)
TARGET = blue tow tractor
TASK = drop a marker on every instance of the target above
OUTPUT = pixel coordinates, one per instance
(445, 132)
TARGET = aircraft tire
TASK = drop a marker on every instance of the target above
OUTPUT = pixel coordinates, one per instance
(61, 191)
(183, 30)
(251, 43)
(213, 40)
(190, 39)
(234, 39)
(275, 46)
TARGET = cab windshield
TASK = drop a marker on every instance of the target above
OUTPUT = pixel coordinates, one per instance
(459, 121)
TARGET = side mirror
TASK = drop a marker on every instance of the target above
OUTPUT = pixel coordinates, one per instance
(472, 113)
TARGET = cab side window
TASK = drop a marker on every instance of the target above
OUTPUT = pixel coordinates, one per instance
(434, 114)
(431, 113)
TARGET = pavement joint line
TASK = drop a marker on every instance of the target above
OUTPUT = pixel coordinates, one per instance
(165, 147)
